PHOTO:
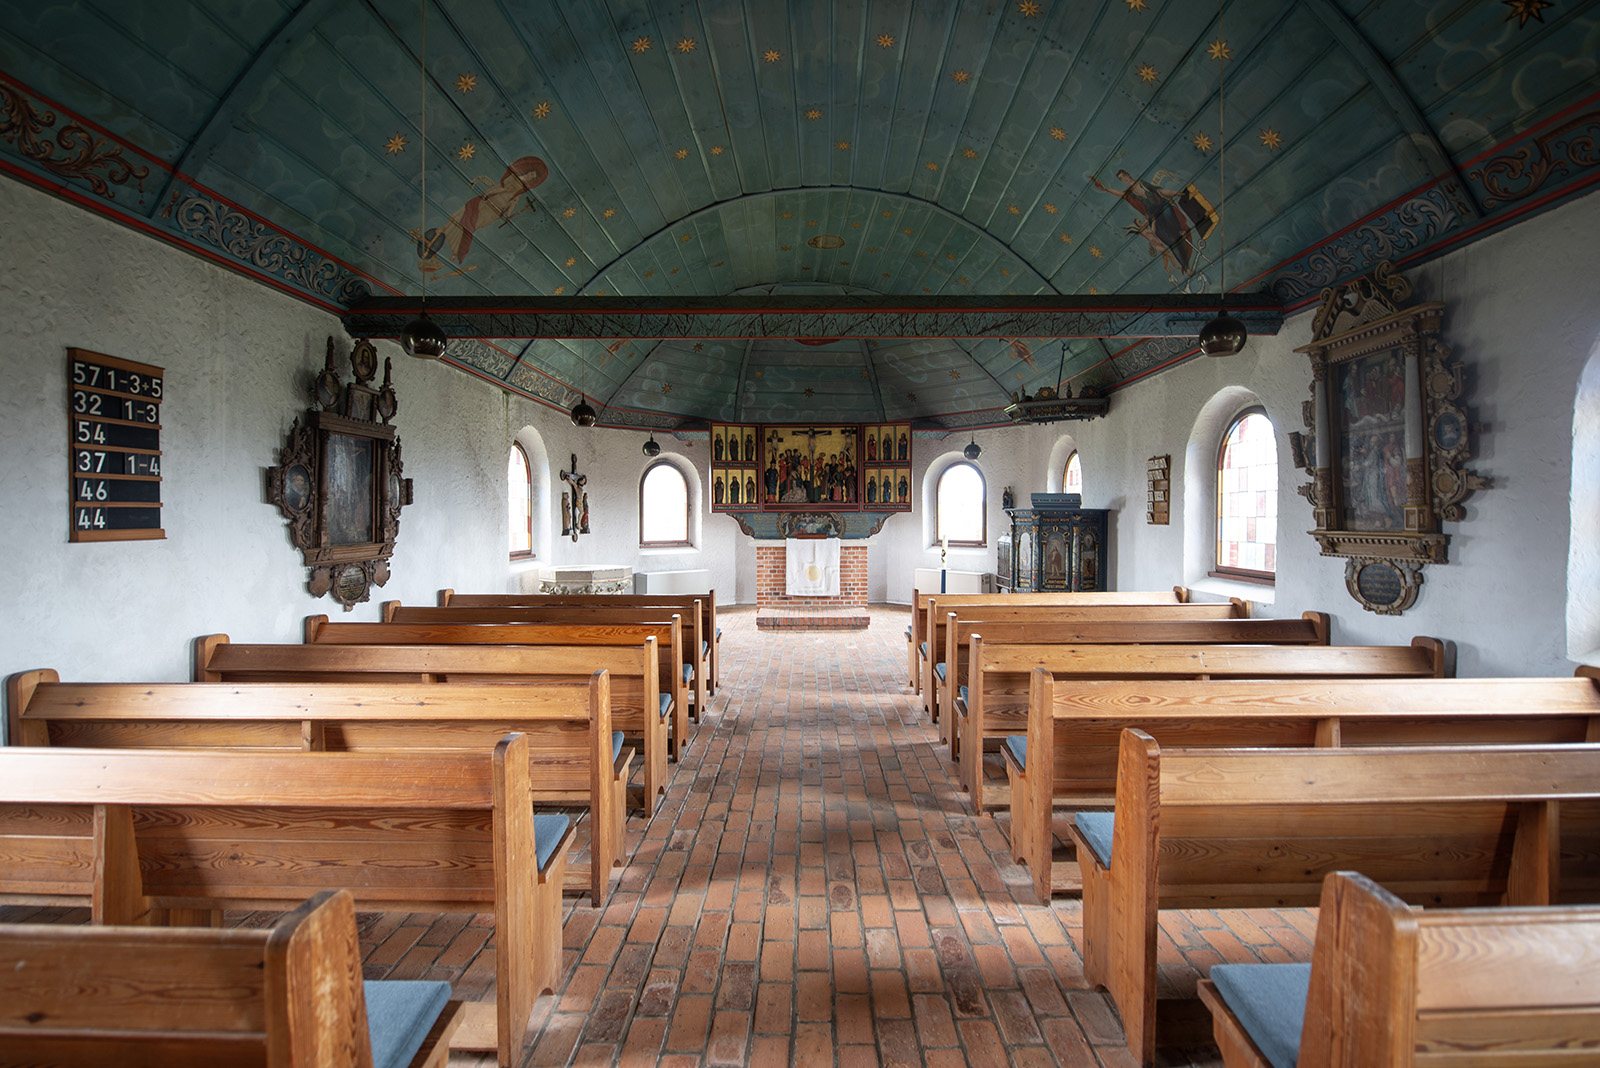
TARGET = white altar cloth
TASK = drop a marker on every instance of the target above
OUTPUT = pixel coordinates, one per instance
(811, 567)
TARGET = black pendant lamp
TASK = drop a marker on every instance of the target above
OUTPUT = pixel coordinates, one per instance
(973, 449)
(583, 414)
(1224, 335)
(422, 337)
(651, 447)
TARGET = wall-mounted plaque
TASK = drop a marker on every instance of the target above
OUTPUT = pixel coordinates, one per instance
(339, 481)
(1388, 437)
(1158, 490)
(113, 448)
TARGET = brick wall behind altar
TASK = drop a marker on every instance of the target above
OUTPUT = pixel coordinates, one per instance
(770, 584)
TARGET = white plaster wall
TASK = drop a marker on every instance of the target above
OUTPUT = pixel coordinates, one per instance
(1523, 319)
(239, 361)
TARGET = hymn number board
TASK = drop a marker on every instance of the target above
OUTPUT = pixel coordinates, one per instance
(114, 445)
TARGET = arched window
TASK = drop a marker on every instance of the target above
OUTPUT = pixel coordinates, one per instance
(962, 508)
(1072, 477)
(663, 506)
(1247, 499)
(519, 502)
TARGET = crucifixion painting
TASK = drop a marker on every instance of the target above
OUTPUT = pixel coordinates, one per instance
(811, 465)
(574, 505)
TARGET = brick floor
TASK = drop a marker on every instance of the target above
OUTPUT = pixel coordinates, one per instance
(814, 891)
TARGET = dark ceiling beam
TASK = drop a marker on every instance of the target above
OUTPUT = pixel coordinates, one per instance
(812, 316)
(1404, 109)
(298, 25)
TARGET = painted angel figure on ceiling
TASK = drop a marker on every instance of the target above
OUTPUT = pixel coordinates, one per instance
(1173, 221)
(503, 200)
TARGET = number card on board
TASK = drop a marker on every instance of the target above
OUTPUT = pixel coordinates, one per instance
(114, 448)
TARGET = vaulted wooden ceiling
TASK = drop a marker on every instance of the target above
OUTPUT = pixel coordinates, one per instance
(827, 148)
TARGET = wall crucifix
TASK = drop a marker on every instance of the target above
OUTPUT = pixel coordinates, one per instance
(574, 505)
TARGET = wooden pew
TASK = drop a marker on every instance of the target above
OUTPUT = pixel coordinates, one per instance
(955, 623)
(1074, 730)
(695, 665)
(1392, 987)
(572, 755)
(288, 996)
(131, 832)
(632, 673)
(668, 721)
(1252, 828)
(710, 631)
(996, 703)
(917, 640)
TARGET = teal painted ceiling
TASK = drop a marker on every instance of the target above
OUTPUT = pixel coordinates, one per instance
(876, 148)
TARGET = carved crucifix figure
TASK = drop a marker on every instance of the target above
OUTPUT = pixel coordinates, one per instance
(811, 473)
(575, 518)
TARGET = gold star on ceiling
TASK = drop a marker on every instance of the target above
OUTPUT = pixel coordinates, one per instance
(886, 214)
(950, 255)
(1094, 291)
(872, 248)
(1066, 239)
(609, 212)
(908, 232)
(1271, 138)
(569, 213)
(784, 248)
(1218, 50)
(772, 55)
(1013, 209)
(666, 387)
(787, 215)
(1526, 9)
(716, 150)
(970, 153)
(911, 396)
(810, 392)
(843, 146)
(813, 113)
(932, 166)
(686, 45)
(641, 46)
(650, 272)
(925, 289)
(1148, 74)
(682, 153)
(811, 222)
(541, 109)
(1095, 252)
(956, 374)
(673, 271)
(855, 226)
(1058, 133)
(560, 290)
(1006, 271)
(1049, 208)
(717, 264)
(761, 374)
(885, 40)
(1134, 5)
(685, 237)
(964, 280)
(395, 145)
(864, 373)
(921, 254)
(1202, 142)
(466, 83)
(571, 260)
(961, 77)
(698, 345)
(1029, 8)
(466, 152)
(599, 292)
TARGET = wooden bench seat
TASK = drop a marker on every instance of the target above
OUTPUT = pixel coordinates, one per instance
(1251, 828)
(998, 705)
(917, 633)
(287, 996)
(574, 757)
(951, 632)
(710, 630)
(661, 728)
(1393, 987)
(694, 647)
(137, 832)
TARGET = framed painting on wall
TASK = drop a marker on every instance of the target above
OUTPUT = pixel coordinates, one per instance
(808, 466)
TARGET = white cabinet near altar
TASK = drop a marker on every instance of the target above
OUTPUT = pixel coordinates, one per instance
(926, 580)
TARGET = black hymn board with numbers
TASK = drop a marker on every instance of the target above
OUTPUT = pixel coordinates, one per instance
(114, 448)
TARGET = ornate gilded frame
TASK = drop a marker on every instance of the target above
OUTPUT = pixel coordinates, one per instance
(339, 481)
(1388, 437)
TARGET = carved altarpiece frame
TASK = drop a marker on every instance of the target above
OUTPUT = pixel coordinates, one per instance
(1388, 439)
(338, 480)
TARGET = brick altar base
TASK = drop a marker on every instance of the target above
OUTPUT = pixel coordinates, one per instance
(776, 610)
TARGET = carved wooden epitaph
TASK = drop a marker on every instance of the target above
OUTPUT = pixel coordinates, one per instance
(1388, 438)
(339, 480)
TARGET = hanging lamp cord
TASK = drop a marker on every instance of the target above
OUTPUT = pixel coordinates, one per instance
(1222, 151)
(422, 94)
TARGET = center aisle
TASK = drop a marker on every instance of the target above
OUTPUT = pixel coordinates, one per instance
(813, 891)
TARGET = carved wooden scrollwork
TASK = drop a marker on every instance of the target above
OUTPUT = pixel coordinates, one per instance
(1387, 438)
(339, 480)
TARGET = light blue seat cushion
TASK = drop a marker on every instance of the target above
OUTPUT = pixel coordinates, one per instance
(719, 633)
(616, 744)
(705, 649)
(399, 1014)
(666, 704)
(938, 669)
(1096, 828)
(1017, 746)
(688, 673)
(922, 648)
(1270, 1002)
(548, 827)
(908, 633)
(961, 692)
